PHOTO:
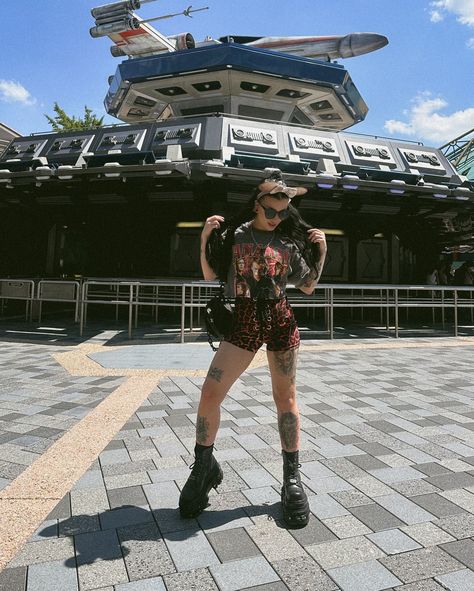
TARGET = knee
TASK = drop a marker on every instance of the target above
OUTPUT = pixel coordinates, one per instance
(285, 400)
(211, 394)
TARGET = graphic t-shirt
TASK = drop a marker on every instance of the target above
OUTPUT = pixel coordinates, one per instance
(263, 263)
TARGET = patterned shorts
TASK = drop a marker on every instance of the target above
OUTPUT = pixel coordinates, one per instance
(270, 321)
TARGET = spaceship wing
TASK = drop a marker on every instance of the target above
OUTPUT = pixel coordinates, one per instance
(140, 41)
(238, 39)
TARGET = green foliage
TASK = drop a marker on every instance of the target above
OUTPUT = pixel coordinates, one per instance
(63, 122)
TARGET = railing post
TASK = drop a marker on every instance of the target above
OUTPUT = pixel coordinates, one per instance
(396, 312)
(183, 310)
(455, 313)
(331, 313)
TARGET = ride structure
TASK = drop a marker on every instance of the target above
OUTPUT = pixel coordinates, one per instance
(204, 121)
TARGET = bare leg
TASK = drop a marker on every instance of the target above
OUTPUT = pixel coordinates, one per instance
(283, 371)
(228, 364)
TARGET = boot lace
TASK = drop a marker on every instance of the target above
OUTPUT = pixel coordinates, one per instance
(196, 468)
(292, 473)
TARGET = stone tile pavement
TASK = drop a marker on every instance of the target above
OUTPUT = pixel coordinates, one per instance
(387, 460)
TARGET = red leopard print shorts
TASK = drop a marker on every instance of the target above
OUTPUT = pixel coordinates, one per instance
(269, 321)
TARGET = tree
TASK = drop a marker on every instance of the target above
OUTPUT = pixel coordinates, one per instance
(63, 122)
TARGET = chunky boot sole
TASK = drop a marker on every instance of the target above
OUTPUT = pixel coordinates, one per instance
(197, 506)
(295, 513)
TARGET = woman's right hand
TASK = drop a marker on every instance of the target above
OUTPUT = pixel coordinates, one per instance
(212, 223)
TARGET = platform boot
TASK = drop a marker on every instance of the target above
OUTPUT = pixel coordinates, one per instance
(206, 474)
(293, 497)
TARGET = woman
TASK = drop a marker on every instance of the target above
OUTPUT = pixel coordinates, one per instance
(268, 233)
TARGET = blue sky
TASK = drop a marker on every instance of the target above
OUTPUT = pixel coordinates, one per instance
(419, 87)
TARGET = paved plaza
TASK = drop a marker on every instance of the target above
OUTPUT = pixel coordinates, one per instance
(96, 439)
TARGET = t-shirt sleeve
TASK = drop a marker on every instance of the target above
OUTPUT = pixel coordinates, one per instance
(300, 272)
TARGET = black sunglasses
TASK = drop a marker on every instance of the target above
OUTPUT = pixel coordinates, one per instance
(270, 213)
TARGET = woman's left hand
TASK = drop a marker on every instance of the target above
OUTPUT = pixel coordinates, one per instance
(317, 237)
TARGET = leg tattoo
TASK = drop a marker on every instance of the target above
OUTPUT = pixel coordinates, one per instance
(215, 373)
(286, 363)
(202, 430)
(288, 427)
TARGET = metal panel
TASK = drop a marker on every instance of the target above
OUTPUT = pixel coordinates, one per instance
(312, 145)
(252, 138)
(370, 153)
(372, 262)
(336, 266)
(25, 149)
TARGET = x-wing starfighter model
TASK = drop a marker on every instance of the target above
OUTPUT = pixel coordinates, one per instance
(135, 37)
(291, 79)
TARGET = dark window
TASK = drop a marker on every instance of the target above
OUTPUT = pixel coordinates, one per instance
(252, 87)
(146, 102)
(206, 86)
(321, 105)
(171, 91)
(290, 93)
(330, 117)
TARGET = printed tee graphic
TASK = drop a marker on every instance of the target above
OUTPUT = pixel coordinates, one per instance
(260, 272)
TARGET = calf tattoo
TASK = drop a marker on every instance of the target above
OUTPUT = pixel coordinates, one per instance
(215, 373)
(202, 430)
(288, 428)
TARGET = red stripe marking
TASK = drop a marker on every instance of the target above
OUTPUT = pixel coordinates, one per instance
(133, 33)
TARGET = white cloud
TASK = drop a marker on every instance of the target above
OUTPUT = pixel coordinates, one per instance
(462, 9)
(426, 122)
(470, 43)
(436, 16)
(14, 92)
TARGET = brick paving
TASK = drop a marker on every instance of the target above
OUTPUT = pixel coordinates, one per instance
(387, 461)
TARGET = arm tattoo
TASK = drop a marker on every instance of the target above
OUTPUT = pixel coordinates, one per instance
(286, 363)
(288, 427)
(202, 430)
(215, 373)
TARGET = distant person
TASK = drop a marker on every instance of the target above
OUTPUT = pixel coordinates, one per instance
(444, 273)
(469, 274)
(460, 275)
(432, 277)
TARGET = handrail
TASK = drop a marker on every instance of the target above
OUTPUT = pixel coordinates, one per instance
(18, 289)
(191, 296)
(59, 291)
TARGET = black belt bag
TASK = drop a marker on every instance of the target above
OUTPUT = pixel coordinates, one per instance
(219, 317)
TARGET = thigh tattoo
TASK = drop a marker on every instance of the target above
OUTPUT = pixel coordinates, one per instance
(215, 373)
(286, 362)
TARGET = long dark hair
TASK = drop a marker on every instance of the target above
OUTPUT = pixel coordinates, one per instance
(294, 229)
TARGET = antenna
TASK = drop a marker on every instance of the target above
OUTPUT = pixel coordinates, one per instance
(120, 16)
(186, 12)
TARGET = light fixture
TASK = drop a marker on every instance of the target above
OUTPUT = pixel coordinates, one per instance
(333, 232)
(62, 172)
(5, 176)
(216, 165)
(350, 182)
(440, 191)
(326, 181)
(397, 187)
(165, 167)
(43, 173)
(190, 224)
(111, 175)
(463, 194)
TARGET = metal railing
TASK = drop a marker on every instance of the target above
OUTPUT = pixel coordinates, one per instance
(58, 291)
(190, 297)
(18, 289)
